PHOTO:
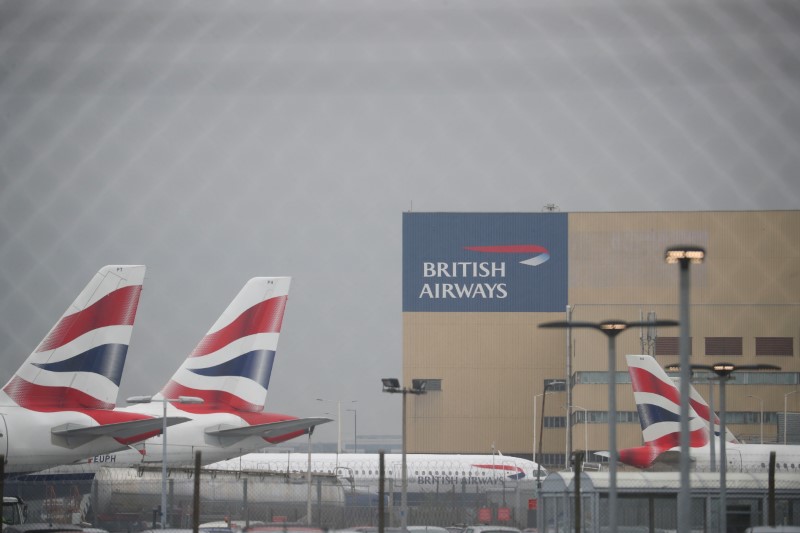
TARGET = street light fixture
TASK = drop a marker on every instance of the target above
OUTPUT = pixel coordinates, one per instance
(724, 371)
(760, 417)
(786, 413)
(338, 420)
(164, 402)
(684, 255)
(392, 385)
(541, 428)
(611, 328)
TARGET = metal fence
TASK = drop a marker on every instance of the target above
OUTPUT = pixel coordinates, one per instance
(647, 502)
(125, 499)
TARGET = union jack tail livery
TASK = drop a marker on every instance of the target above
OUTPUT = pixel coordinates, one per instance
(58, 407)
(658, 402)
(79, 363)
(704, 411)
(230, 371)
(230, 368)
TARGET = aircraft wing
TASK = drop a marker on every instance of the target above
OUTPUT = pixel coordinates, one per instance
(226, 435)
(74, 435)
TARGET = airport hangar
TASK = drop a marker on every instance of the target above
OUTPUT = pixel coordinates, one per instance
(477, 285)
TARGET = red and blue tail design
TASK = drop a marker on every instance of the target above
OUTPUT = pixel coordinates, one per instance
(658, 402)
(230, 368)
(704, 411)
(79, 363)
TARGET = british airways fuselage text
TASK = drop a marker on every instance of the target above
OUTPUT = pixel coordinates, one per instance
(459, 480)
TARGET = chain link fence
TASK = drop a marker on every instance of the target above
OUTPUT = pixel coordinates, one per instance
(127, 499)
(647, 502)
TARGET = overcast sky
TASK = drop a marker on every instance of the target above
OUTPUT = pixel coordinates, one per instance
(214, 141)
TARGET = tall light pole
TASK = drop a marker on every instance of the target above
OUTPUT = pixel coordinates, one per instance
(338, 420)
(760, 417)
(164, 402)
(611, 328)
(392, 385)
(724, 371)
(684, 256)
(541, 429)
(585, 432)
(533, 422)
(712, 418)
(786, 413)
(355, 430)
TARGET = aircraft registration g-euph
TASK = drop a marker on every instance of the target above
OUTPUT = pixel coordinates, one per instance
(58, 407)
(425, 472)
(230, 371)
(658, 402)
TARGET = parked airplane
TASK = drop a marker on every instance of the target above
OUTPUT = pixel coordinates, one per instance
(230, 371)
(426, 472)
(657, 400)
(57, 408)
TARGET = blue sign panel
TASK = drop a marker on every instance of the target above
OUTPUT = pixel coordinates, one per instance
(484, 262)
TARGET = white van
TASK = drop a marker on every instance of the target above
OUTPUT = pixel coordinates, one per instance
(773, 529)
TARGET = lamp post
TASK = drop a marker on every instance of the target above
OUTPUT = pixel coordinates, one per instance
(712, 419)
(164, 402)
(611, 328)
(724, 371)
(392, 385)
(338, 420)
(585, 432)
(541, 429)
(684, 256)
(355, 430)
(786, 413)
(760, 417)
(533, 422)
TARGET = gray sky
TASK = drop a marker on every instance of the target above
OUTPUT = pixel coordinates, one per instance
(217, 140)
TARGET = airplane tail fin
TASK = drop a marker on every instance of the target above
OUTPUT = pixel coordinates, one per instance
(701, 408)
(230, 368)
(658, 402)
(79, 363)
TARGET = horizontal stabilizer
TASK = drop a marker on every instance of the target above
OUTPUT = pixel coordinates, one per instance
(74, 435)
(225, 435)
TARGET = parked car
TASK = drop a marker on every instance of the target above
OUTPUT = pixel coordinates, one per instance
(491, 529)
(773, 529)
(426, 529)
(41, 527)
